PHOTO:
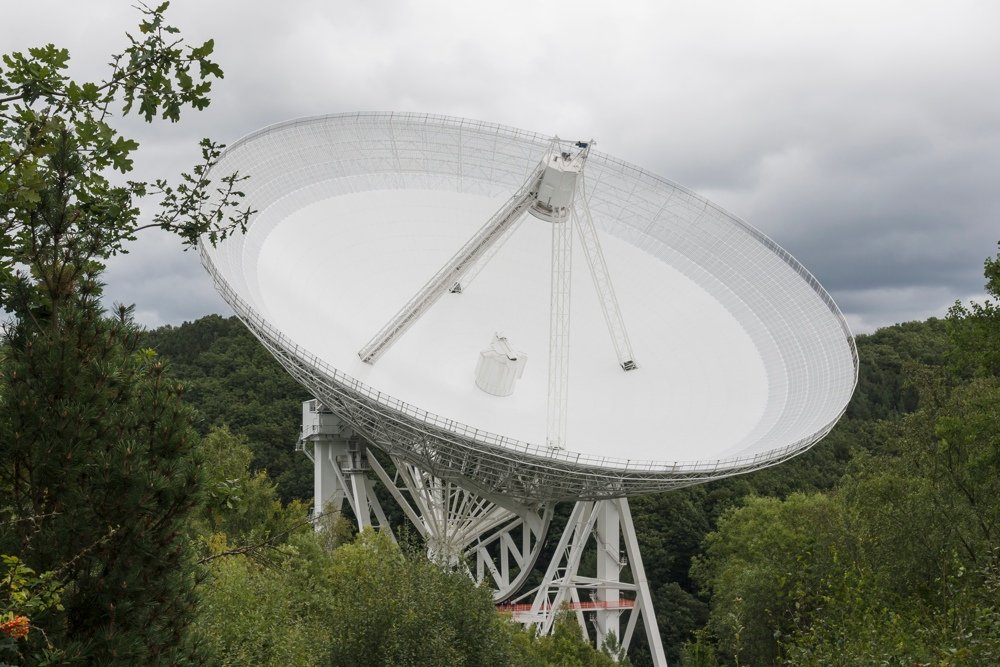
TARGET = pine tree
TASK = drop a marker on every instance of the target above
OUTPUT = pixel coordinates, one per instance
(99, 458)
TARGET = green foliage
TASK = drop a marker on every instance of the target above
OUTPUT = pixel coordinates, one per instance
(680, 615)
(885, 358)
(879, 572)
(898, 565)
(699, 652)
(99, 474)
(254, 615)
(24, 596)
(761, 565)
(566, 647)
(887, 570)
(59, 209)
(858, 626)
(23, 591)
(242, 505)
(366, 603)
(97, 462)
(232, 380)
(976, 328)
(670, 528)
(408, 611)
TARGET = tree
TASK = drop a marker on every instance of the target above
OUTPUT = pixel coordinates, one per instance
(232, 380)
(975, 329)
(239, 502)
(764, 566)
(98, 457)
(403, 610)
(59, 210)
(898, 564)
(567, 647)
(366, 603)
(249, 614)
(97, 466)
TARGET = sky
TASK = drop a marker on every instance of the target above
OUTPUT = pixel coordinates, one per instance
(864, 137)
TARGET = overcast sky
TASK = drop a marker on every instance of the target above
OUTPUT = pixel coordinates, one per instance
(864, 137)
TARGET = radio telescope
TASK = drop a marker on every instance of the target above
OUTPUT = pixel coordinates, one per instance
(419, 275)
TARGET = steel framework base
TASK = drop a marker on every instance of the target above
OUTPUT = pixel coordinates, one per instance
(491, 537)
(494, 538)
(603, 525)
(340, 468)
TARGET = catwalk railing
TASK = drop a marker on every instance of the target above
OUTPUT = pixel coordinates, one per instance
(622, 603)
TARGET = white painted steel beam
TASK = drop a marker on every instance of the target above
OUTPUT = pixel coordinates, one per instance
(559, 321)
(459, 525)
(606, 534)
(602, 283)
(340, 463)
(401, 500)
(600, 525)
(451, 273)
(644, 597)
(477, 266)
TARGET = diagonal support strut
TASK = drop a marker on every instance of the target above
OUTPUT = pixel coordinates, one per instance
(602, 283)
(451, 273)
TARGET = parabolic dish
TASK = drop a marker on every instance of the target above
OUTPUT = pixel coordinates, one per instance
(744, 359)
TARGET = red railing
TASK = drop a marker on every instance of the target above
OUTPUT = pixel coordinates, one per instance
(622, 603)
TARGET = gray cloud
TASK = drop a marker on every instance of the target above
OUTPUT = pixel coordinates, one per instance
(863, 137)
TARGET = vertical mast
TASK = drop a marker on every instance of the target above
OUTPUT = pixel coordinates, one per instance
(558, 395)
(556, 190)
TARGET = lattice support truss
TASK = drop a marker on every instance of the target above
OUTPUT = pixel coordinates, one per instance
(601, 526)
(480, 264)
(559, 321)
(492, 538)
(484, 258)
(602, 282)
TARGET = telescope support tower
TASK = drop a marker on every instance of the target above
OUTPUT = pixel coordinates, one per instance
(607, 523)
(340, 461)
(491, 537)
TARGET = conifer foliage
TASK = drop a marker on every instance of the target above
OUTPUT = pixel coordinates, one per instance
(101, 473)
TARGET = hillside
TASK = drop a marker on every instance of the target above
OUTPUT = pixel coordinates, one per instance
(230, 379)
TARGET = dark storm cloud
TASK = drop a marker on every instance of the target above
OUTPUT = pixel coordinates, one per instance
(917, 216)
(864, 137)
